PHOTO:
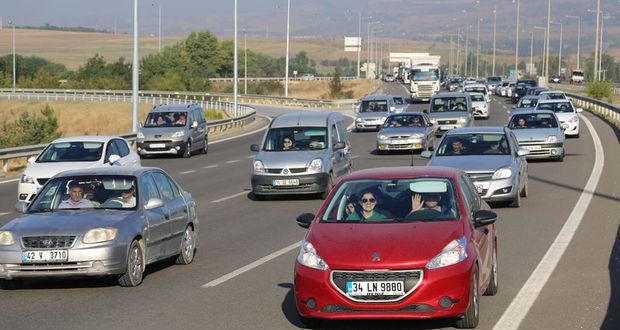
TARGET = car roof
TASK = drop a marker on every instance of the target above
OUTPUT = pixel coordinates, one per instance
(554, 101)
(86, 138)
(476, 93)
(554, 91)
(477, 85)
(530, 97)
(174, 107)
(418, 113)
(311, 119)
(451, 94)
(111, 170)
(527, 112)
(371, 97)
(479, 129)
(404, 172)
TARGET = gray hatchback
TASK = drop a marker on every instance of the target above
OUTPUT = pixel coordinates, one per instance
(450, 110)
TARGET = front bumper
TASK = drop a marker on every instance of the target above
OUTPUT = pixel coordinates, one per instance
(422, 303)
(401, 144)
(100, 260)
(544, 150)
(369, 125)
(308, 184)
(502, 190)
(161, 147)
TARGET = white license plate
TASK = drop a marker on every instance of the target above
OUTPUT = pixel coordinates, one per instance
(45, 256)
(382, 288)
(157, 145)
(446, 128)
(532, 147)
(479, 187)
(286, 182)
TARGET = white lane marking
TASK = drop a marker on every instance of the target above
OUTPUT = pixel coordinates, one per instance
(7, 181)
(244, 134)
(4, 213)
(230, 197)
(250, 157)
(523, 301)
(251, 266)
(356, 156)
(232, 161)
(350, 127)
(211, 166)
(187, 172)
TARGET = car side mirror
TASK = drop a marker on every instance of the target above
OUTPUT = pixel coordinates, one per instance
(426, 154)
(484, 218)
(304, 220)
(140, 125)
(579, 110)
(153, 203)
(31, 159)
(21, 207)
(194, 124)
(564, 126)
(392, 109)
(255, 148)
(339, 145)
(113, 159)
(522, 152)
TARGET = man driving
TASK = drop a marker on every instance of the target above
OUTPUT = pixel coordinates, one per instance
(76, 198)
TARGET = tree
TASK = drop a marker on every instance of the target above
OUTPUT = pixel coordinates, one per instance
(30, 129)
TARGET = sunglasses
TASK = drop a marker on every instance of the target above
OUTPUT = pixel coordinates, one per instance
(368, 200)
(287, 141)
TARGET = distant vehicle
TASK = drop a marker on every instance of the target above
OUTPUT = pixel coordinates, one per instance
(510, 89)
(397, 242)
(552, 95)
(399, 104)
(71, 153)
(566, 113)
(307, 77)
(528, 82)
(500, 90)
(493, 82)
(555, 79)
(477, 88)
(301, 153)
(389, 78)
(540, 132)
(178, 130)
(406, 131)
(454, 84)
(450, 110)
(519, 91)
(425, 76)
(480, 104)
(536, 90)
(492, 159)
(100, 222)
(526, 103)
(373, 110)
(577, 77)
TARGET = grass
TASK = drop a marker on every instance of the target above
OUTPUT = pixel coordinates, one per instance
(320, 89)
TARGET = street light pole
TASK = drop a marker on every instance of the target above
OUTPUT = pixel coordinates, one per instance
(359, 39)
(14, 57)
(478, 50)
(458, 51)
(531, 51)
(245, 62)
(596, 40)
(578, 37)
(548, 37)
(467, 50)
(494, 35)
(560, 53)
(542, 68)
(235, 67)
(288, 26)
(159, 38)
(135, 71)
(600, 51)
(517, 41)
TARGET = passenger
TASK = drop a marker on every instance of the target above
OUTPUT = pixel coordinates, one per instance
(544, 123)
(457, 148)
(368, 203)
(416, 122)
(439, 108)
(521, 123)
(76, 199)
(563, 108)
(494, 148)
(350, 208)
(128, 200)
(430, 202)
(160, 120)
(181, 121)
(315, 144)
(288, 143)
(459, 107)
(394, 123)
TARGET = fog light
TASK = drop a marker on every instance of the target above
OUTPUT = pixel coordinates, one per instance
(311, 303)
(177, 148)
(23, 196)
(381, 147)
(418, 146)
(554, 152)
(445, 302)
(98, 265)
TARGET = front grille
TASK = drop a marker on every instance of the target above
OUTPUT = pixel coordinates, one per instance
(42, 181)
(411, 279)
(159, 141)
(420, 308)
(48, 242)
(446, 122)
(291, 170)
(477, 177)
(400, 137)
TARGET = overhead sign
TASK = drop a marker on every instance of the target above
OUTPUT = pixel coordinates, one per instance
(352, 44)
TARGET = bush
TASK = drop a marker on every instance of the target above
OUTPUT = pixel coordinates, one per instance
(335, 87)
(214, 114)
(601, 90)
(29, 129)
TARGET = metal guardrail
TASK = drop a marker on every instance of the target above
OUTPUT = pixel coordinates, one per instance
(280, 79)
(577, 88)
(603, 109)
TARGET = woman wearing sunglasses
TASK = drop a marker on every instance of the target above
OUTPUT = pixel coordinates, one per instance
(368, 203)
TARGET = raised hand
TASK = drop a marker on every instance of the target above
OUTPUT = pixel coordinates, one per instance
(416, 202)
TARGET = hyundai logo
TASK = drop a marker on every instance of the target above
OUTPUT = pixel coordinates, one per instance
(47, 243)
(376, 257)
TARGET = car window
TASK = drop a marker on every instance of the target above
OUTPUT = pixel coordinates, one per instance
(374, 106)
(468, 195)
(334, 135)
(149, 188)
(342, 131)
(112, 150)
(166, 119)
(532, 120)
(175, 189)
(71, 152)
(408, 120)
(164, 186)
(122, 147)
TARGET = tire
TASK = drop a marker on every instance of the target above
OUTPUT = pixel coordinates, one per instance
(524, 192)
(493, 281)
(135, 266)
(517, 201)
(205, 148)
(188, 247)
(187, 152)
(259, 198)
(309, 323)
(472, 315)
(328, 186)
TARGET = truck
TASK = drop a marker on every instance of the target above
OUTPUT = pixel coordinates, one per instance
(576, 77)
(425, 76)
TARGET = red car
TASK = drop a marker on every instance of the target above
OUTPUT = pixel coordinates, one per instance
(397, 243)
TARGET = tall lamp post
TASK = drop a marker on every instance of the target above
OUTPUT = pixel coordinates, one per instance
(135, 70)
(494, 35)
(14, 56)
(288, 26)
(517, 41)
(578, 37)
(245, 62)
(544, 59)
(560, 53)
(478, 50)
(235, 67)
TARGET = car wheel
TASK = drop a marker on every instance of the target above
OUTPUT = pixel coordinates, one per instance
(517, 201)
(187, 153)
(493, 281)
(135, 266)
(188, 247)
(524, 191)
(328, 186)
(205, 148)
(471, 317)
(309, 323)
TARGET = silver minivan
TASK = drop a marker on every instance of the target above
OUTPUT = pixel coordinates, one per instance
(174, 130)
(373, 110)
(301, 153)
(450, 110)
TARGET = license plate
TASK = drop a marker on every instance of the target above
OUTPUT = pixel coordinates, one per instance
(479, 187)
(45, 256)
(532, 147)
(379, 288)
(446, 128)
(157, 145)
(286, 182)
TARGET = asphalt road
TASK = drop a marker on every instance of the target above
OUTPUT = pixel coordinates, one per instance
(261, 238)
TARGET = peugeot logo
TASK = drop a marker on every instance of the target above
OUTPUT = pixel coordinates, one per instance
(376, 257)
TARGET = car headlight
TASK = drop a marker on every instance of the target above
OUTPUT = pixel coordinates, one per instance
(434, 120)
(315, 166)
(382, 137)
(259, 167)
(26, 179)
(453, 253)
(573, 119)
(6, 238)
(553, 138)
(178, 134)
(502, 173)
(140, 135)
(462, 120)
(309, 258)
(99, 235)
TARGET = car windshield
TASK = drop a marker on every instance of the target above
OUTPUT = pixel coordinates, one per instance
(425, 75)
(404, 121)
(477, 97)
(87, 192)
(371, 201)
(532, 120)
(577, 74)
(474, 144)
(456, 81)
(494, 79)
(554, 96)
(399, 100)
(477, 89)
(71, 152)
(374, 106)
(521, 87)
(556, 107)
(296, 139)
(448, 104)
(527, 103)
(166, 119)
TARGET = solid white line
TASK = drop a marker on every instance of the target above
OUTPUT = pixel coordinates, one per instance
(211, 166)
(7, 181)
(230, 197)
(356, 156)
(4, 213)
(232, 161)
(250, 157)
(523, 301)
(187, 172)
(251, 266)
(350, 127)
(244, 134)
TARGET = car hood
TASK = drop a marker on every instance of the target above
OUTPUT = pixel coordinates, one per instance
(289, 159)
(373, 115)
(478, 104)
(65, 222)
(159, 132)
(401, 130)
(525, 135)
(48, 170)
(448, 115)
(483, 163)
(400, 245)
(564, 116)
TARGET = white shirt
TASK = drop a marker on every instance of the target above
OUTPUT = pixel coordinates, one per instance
(82, 204)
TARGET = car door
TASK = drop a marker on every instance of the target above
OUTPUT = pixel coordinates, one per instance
(202, 124)
(157, 224)
(343, 135)
(337, 156)
(130, 158)
(481, 236)
(177, 211)
(521, 160)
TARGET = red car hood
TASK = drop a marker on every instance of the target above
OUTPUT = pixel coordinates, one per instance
(400, 245)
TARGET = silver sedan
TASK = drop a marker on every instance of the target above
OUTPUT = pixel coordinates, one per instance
(100, 222)
(406, 131)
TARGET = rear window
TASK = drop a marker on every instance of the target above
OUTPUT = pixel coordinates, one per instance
(477, 98)
(474, 144)
(527, 103)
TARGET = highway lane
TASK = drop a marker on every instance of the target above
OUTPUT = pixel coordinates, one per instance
(238, 231)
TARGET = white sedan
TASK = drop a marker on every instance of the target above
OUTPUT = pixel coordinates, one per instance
(566, 113)
(73, 153)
